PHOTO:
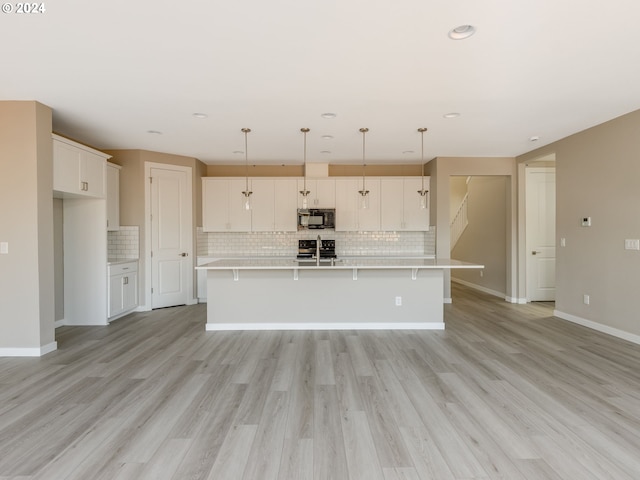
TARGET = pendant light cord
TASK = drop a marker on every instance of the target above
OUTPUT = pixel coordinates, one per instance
(364, 132)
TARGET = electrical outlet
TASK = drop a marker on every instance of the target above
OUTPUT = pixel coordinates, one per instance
(398, 301)
(563, 242)
(586, 221)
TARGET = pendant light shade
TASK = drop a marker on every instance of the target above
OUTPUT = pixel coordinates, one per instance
(304, 192)
(246, 199)
(364, 193)
(424, 194)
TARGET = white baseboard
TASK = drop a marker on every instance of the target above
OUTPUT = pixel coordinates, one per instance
(211, 327)
(447, 300)
(479, 288)
(598, 326)
(29, 352)
(60, 323)
(519, 301)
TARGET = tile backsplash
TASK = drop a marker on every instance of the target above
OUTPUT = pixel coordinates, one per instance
(124, 244)
(271, 244)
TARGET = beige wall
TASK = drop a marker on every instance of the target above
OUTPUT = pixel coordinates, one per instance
(132, 201)
(441, 169)
(58, 257)
(458, 189)
(27, 272)
(298, 170)
(598, 175)
(484, 239)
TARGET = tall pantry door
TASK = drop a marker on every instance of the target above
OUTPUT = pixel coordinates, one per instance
(171, 238)
(541, 233)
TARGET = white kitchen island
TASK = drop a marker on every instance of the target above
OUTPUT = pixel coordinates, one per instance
(354, 293)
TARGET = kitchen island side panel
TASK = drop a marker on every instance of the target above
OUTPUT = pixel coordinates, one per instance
(324, 299)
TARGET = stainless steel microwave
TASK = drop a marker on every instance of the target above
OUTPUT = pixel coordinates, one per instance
(316, 218)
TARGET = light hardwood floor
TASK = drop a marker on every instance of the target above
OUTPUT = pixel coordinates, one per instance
(506, 392)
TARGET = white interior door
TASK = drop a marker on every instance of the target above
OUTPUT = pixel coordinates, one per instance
(541, 233)
(171, 237)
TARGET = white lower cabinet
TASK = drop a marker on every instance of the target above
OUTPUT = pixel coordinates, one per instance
(123, 289)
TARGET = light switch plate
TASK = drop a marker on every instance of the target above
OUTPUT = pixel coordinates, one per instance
(4, 247)
(632, 244)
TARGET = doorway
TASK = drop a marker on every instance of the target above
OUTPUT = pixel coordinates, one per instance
(479, 216)
(540, 239)
(170, 237)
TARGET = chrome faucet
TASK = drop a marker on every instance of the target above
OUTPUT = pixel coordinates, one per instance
(318, 243)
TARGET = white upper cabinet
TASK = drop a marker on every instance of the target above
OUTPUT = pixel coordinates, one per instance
(113, 197)
(262, 205)
(400, 207)
(322, 192)
(77, 169)
(350, 214)
(223, 205)
(286, 214)
(273, 205)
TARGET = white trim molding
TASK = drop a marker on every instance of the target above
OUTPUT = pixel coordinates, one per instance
(519, 301)
(29, 352)
(213, 327)
(598, 326)
(479, 287)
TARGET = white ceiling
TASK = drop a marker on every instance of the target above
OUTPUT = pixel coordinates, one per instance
(114, 70)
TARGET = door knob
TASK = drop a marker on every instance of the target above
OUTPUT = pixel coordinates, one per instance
(183, 254)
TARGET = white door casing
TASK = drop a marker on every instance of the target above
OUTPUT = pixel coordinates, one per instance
(169, 239)
(540, 233)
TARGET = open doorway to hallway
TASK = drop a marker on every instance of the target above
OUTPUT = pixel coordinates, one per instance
(479, 219)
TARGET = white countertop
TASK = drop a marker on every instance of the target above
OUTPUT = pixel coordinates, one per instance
(345, 263)
(119, 261)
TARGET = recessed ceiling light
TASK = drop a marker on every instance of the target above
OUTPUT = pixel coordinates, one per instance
(154, 132)
(328, 115)
(535, 138)
(327, 137)
(451, 115)
(461, 32)
(200, 115)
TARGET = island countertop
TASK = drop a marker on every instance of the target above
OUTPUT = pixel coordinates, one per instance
(343, 263)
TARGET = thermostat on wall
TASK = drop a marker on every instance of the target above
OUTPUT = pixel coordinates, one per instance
(586, 221)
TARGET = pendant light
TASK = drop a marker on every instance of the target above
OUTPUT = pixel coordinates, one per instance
(304, 192)
(364, 193)
(423, 193)
(246, 201)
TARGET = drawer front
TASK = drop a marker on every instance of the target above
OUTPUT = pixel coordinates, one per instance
(128, 267)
